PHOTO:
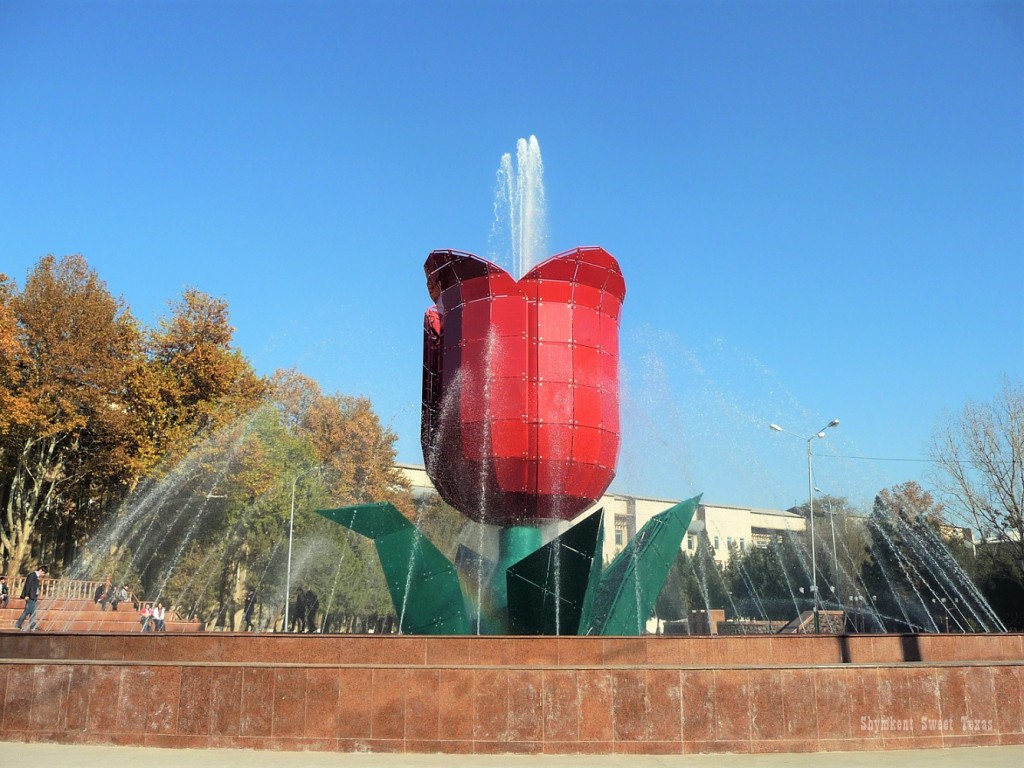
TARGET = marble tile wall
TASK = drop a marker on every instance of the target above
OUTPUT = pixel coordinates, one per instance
(523, 695)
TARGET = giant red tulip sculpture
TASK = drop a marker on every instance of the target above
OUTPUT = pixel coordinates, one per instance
(521, 385)
(521, 426)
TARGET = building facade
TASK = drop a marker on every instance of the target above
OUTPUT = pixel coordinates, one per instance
(729, 529)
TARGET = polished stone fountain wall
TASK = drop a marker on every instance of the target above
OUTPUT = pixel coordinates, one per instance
(514, 694)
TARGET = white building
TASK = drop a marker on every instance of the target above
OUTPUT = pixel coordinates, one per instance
(728, 528)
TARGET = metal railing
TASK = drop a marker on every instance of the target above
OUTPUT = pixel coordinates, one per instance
(71, 589)
(80, 589)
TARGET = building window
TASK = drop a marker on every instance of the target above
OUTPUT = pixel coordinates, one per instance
(717, 546)
(743, 546)
(728, 542)
(619, 537)
(689, 542)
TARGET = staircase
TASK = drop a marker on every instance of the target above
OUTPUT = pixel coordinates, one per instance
(66, 605)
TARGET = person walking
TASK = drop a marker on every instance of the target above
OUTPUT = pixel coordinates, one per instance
(312, 608)
(299, 614)
(30, 593)
(248, 608)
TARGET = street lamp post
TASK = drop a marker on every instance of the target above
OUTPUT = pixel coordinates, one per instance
(291, 530)
(810, 493)
(835, 553)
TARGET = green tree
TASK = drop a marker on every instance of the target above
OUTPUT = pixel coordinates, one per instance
(672, 603)
(333, 451)
(762, 583)
(841, 543)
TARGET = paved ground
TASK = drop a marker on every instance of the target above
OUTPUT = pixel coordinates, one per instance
(64, 756)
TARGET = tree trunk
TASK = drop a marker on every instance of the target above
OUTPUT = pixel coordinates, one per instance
(32, 486)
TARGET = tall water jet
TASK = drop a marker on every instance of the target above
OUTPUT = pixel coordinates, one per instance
(519, 233)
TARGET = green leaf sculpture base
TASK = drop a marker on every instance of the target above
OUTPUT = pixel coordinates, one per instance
(558, 589)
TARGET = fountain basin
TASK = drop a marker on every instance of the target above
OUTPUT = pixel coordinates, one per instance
(652, 695)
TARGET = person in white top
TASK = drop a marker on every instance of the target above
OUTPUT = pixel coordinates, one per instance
(158, 617)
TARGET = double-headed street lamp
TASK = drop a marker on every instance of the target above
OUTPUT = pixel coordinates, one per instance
(810, 493)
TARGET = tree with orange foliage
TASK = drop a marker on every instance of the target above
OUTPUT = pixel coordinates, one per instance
(910, 502)
(195, 381)
(356, 451)
(14, 407)
(90, 402)
(73, 343)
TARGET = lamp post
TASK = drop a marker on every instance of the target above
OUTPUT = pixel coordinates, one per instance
(810, 493)
(835, 553)
(291, 530)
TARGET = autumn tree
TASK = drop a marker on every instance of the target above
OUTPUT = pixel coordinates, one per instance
(910, 502)
(355, 456)
(90, 402)
(95, 408)
(356, 452)
(64, 371)
(910, 570)
(14, 406)
(195, 381)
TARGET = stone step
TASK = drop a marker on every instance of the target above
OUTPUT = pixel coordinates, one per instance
(124, 612)
(60, 604)
(63, 616)
(77, 623)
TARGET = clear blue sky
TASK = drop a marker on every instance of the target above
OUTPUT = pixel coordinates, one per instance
(818, 207)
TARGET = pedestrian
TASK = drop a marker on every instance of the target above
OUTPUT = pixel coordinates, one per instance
(248, 608)
(158, 617)
(312, 608)
(104, 594)
(299, 614)
(30, 593)
(5, 595)
(120, 596)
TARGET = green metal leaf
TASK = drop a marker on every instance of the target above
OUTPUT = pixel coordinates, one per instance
(423, 583)
(548, 590)
(630, 585)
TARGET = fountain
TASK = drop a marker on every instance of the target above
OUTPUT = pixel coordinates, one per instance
(520, 425)
(521, 432)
